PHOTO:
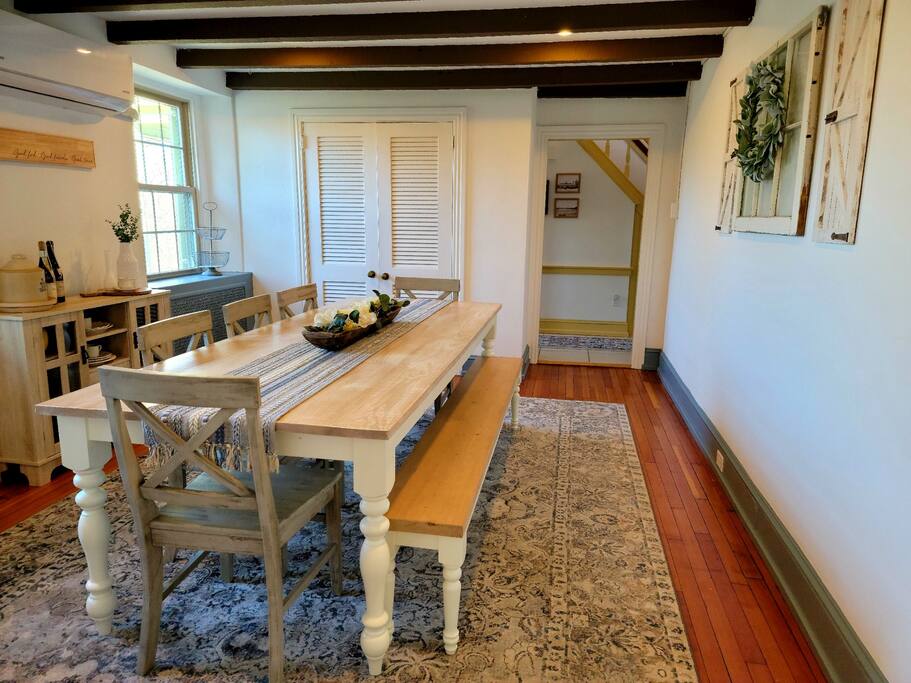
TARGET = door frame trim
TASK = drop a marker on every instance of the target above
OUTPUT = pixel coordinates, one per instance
(456, 116)
(655, 132)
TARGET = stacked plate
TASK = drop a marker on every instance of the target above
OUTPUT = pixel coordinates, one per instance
(104, 358)
(98, 328)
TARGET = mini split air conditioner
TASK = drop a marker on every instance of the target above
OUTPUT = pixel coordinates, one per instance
(56, 67)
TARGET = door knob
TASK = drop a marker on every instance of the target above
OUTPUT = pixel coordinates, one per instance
(371, 273)
(384, 276)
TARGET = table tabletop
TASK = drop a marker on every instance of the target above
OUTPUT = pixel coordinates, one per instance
(371, 401)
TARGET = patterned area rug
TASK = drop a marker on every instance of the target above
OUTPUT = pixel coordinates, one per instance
(568, 341)
(565, 580)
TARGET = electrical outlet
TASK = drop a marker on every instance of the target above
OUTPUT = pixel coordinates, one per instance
(719, 461)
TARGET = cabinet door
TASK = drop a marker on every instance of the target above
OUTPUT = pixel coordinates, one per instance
(60, 351)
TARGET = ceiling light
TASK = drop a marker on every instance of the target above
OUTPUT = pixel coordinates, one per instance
(563, 32)
(83, 51)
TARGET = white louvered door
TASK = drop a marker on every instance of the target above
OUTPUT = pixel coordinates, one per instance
(379, 204)
(340, 167)
(415, 208)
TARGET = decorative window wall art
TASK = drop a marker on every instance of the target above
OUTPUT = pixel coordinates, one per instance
(773, 115)
(847, 120)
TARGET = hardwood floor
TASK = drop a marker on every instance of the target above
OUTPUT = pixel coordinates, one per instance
(738, 624)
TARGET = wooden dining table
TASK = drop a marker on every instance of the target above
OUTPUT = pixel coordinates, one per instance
(360, 417)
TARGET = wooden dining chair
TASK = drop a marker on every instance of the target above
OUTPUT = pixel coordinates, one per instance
(287, 297)
(251, 512)
(156, 340)
(446, 287)
(259, 308)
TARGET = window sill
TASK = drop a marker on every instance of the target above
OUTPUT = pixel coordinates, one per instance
(190, 283)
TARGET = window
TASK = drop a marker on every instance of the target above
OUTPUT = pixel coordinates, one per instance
(778, 204)
(167, 198)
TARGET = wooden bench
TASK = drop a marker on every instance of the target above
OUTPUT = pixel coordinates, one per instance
(437, 487)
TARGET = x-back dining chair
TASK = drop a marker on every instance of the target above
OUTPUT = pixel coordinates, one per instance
(156, 340)
(252, 512)
(445, 286)
(287, 297)
(257, 307)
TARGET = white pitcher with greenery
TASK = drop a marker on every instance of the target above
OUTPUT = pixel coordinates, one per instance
(126, 228)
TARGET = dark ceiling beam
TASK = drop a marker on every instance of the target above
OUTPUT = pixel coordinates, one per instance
(447, 79)
(674, 89)
(576, 52)
(665, 14)
(70, 6)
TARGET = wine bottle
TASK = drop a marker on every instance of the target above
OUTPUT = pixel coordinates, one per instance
(50, 284)
(58, 274)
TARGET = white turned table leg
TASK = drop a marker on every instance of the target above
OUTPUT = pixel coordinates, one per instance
(452, 556)
(87, 459)
(488, 341)
(95, 537)
(390, 587)
(374, 473)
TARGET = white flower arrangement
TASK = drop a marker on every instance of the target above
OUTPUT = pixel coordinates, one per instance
(354, 313)
(350, 314)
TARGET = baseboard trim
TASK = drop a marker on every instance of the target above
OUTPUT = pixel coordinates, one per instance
(841, 653)
(651, 360)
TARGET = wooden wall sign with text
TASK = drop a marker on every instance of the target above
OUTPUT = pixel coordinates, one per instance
(38, 148)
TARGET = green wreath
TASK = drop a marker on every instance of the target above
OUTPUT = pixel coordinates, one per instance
(757, 144)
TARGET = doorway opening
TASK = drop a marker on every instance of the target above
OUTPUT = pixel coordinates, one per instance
(592, 230)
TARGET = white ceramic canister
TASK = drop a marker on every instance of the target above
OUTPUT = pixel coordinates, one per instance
(22, 282)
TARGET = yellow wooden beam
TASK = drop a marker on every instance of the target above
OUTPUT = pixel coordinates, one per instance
(610, 168)
(597, 328)
(586, 270)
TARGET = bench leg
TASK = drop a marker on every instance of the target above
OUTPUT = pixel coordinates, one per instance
(390, 585)
(452, 556)
(514, 409)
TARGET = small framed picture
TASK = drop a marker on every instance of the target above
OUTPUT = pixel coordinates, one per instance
(566, 207)
(568, 183)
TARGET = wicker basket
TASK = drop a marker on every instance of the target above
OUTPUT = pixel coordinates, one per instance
(336, 341)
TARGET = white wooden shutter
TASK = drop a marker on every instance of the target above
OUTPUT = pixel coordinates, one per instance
(342, 198)
(848, 120)
(341, 206)
(415, 181)
(730, 182)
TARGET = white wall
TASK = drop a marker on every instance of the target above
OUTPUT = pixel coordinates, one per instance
(499, 132)
(65, 204)
(796, 350)
(600, 236)
(71, 205)
(671, 113)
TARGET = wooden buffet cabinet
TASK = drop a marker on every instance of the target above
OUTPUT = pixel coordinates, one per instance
(43, 355)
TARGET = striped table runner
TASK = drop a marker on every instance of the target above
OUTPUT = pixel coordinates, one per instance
(287, 377)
